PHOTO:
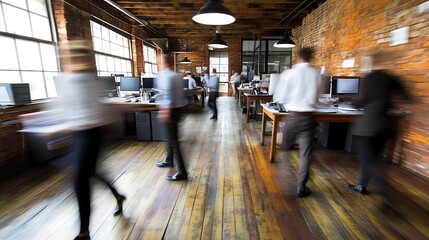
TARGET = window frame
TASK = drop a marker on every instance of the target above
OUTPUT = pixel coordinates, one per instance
(112, 62)
(49, 65)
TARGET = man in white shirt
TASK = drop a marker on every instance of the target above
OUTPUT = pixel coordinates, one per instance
(191, 81)
(235, 79)
(297, 91)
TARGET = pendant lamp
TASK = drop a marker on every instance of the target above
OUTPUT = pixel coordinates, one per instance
(214, 13)
(285, 42)
(185, 61)
(217, 42)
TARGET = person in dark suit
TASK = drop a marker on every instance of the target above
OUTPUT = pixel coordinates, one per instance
(375, 126)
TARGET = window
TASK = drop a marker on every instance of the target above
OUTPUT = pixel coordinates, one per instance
(150, 65)
(27, 46)
(219, 60)
(264, 57)
(112, 51)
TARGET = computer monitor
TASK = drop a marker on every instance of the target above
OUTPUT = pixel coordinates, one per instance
(274, 79)
(147, 83)
(105, 85)
(198, 81)
(185, 84)
(344, 87)
(130, 85)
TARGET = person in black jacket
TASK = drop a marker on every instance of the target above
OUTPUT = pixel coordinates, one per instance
(375, 126)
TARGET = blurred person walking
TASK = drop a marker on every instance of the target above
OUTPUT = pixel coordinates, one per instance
(172, 100)
(298, 92)
(375, 126)
(78, 105)
(213, 85)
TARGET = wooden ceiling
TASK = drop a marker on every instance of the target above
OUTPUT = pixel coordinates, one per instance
(254, 18)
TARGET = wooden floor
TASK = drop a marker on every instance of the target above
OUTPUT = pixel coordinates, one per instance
(233, 192)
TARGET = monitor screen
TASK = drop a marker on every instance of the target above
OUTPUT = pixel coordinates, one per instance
(130, 84)
(344, 87)
(198, 81)
(185, 83)
(147, 82)
(105, 85)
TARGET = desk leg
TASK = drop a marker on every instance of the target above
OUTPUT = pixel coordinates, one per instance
(264, 125)
(274, 139)
(248, 109)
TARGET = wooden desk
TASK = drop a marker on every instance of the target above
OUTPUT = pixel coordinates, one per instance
(200, 92)
(277, 117)
(241, 92)
(252, 97)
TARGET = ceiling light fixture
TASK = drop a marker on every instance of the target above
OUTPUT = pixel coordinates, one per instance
(214, 13)
(217, 42)
(286, 42)
(185, 60)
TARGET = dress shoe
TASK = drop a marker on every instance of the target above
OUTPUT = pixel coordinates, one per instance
(164, 164)
(177, 177)
(213, 117)
(303, 192)
(358, 188)
(83, 236)
(120, 200)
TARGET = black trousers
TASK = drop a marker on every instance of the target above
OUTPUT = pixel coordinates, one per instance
(212, 102)
(371, 163)
(87, 148)
(173, 146)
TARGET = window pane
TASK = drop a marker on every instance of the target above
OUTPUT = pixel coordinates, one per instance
(49, 57)
(28, 54)
(101, 62)
(117, 65)
(38, 6)
(50, 86)
(106, 47)
(18, 3)
(10, 77)
(2, 25)
(17, 21)
(110, 64)
(41, 27)
(8, 58)
(37, 84)
(104, 33)
(96, 30)
(98, 44)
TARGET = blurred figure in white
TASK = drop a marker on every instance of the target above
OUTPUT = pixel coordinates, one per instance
(78, 105)
(235, 80)
(192, 84)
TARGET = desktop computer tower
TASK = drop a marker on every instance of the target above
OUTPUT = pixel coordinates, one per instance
(143, 126)
(14, 93)
(158, 132)
(333, 135)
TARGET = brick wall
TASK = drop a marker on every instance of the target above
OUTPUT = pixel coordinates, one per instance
(342, 30)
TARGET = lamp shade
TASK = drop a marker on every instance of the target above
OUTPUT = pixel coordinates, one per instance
(185, 61)
(214, 13)
(285, 42)
(217, 42)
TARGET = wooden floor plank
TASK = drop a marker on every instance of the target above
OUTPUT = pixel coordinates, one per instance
(233, 192)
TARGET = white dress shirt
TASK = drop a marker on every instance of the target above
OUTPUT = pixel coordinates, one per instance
(298, 88)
